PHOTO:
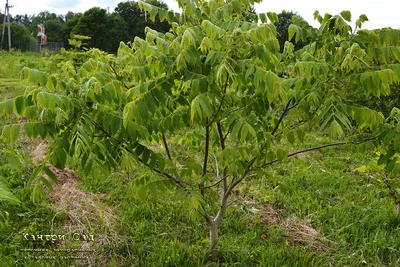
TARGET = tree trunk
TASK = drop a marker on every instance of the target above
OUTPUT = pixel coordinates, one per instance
(214, 246)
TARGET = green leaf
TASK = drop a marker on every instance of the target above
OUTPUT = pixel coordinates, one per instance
(51, 83)
(30, 130)
(294, 30)
(363, 18)
(273, 17)
(14, 132)
(6, 195)
(263, 17)
(361, 169)
(31, 112)
(13, 159)
(271, 156)
(384, 158)
(397, 142)
(300, 134)
(236, 128)
(335, 129)
(9, 106)
(146, 155)
(281, 154)
(50, 174)
(237, 6)
(384, 36)
(153, 161)
(46, 183)
(346, 15)
(161, 164)
(290, 137)
(162, 14)
(115, 125)
(35, 173)
(153, 13)
(39, 127)
(19, 104)
(5, 134)
(38, 193)
(170, 17)
(42, 78)
(61, 158)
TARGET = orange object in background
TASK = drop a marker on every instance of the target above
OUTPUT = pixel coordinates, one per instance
(42, 38)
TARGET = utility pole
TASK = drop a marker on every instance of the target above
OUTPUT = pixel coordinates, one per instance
(6, 15)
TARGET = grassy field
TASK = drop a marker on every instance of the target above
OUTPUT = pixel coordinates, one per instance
(312, 210)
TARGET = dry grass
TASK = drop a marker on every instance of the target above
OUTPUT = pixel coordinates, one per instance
(300, 232)
(87, 214)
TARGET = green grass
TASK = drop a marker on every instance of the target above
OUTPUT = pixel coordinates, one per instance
(353, 212)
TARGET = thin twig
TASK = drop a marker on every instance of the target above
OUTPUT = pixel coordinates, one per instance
(206, 148)
(221, 102)
(281, 117)
(166, 147)
(316, 148)
(216, 183)
(222, 142)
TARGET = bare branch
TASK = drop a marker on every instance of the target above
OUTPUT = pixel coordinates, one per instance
(287, 108)
(316, 148)
(227, 192)
(166, 147)
(216, 183)
(207, 145)
(234, 183)
(221, 102)
(222, 142)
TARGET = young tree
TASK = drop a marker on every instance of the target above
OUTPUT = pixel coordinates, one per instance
(218, 85)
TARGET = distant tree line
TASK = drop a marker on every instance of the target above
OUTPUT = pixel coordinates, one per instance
(106, 30)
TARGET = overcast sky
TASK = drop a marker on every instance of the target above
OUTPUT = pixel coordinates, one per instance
(381, 13)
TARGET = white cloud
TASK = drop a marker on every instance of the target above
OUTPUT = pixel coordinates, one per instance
(59, 7)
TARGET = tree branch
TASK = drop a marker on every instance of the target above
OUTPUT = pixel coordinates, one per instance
(220, 104)
(283, 115)
(235, 183)
(206, 148)
(166, 147)
(169, 176)
(248, 169)
(316, 148)
(214, 184)
(222, 142)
